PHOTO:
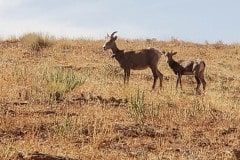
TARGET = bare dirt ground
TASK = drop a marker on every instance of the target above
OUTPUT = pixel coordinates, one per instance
(68, 101)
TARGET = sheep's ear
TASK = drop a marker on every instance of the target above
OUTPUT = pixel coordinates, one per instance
(174, 53)
(108, 35)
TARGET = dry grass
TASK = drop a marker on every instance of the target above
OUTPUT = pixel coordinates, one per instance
(69, 100)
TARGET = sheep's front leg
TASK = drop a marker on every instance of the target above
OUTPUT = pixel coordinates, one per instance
(126, 75)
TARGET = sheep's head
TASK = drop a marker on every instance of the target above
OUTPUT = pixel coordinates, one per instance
(110, 41)
(169, 55)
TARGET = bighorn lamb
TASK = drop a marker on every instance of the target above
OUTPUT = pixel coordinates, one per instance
(136, 60)
(187, 67)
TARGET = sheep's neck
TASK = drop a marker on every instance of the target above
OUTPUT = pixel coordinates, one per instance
(115, 49)
(118, 54)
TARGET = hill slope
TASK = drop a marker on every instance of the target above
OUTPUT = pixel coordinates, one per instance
(68, 99)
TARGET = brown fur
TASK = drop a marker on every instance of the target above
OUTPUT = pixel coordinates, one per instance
(136, 60)
(187, 67)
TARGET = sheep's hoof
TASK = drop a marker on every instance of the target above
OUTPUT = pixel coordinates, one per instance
(198, 92)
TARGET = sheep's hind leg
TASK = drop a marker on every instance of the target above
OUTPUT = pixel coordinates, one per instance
(155, 77)
(160, 76)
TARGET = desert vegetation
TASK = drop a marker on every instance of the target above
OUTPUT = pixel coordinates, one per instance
(65, 98)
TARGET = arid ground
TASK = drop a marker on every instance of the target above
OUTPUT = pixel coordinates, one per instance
(66, 98)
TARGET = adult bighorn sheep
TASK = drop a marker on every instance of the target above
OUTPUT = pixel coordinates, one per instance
(136, 60)
(194, 67)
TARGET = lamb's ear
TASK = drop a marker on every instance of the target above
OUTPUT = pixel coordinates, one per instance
(163, 52)
(114, 38)
(174, 53)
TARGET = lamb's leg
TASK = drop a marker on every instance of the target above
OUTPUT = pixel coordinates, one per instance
(198, 82)
(180, 80)
(203, 80)
(179, 76)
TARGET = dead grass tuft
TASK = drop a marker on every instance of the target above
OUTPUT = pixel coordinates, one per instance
(71, 102)
(37, 41)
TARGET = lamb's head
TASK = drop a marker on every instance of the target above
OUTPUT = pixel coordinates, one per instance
(110, 41)
(169, 55)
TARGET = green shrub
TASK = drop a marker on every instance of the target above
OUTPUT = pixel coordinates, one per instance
(62, 81)
(136, 107)
(55, 83)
